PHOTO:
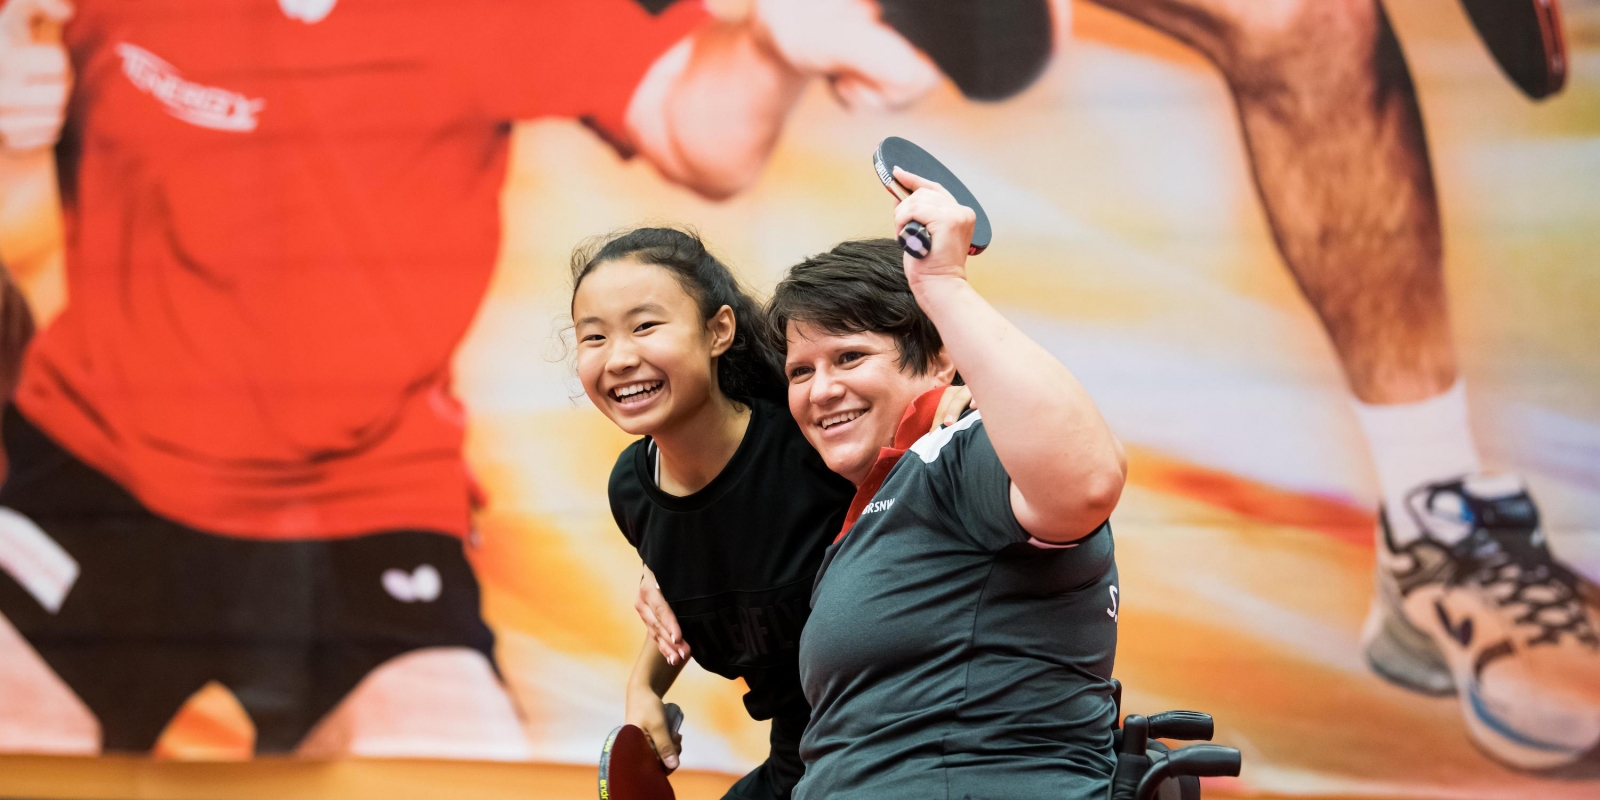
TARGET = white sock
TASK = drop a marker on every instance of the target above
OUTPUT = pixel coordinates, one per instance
(1414, 444)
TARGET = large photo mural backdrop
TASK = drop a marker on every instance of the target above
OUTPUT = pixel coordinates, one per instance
(297, 462)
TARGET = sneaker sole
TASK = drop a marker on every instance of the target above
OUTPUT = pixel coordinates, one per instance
(1403, 655)
(1400, 653)
(1502, 741)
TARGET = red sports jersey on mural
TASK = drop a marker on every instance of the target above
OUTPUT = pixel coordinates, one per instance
(281, 225)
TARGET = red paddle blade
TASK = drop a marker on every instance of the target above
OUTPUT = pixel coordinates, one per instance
(629, 769)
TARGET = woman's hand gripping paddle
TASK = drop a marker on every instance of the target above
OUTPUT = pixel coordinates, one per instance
(914, 238)
(629, 767)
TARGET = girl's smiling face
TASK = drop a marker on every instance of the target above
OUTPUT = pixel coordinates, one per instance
(645, 356)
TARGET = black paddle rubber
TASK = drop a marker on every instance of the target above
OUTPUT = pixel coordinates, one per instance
(1526, 40)
(915, 239)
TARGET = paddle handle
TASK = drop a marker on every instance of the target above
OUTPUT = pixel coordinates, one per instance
(915, 239)
(674, 718)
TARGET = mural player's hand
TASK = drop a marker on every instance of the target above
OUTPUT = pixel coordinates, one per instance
(955, 400)
(948, 222)
(868, 64)
(659, 620)
(647, 712)
(35, 74)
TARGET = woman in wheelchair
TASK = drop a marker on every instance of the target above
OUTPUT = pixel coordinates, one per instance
(964, 626)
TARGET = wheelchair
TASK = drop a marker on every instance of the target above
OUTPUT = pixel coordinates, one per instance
(1150, 770)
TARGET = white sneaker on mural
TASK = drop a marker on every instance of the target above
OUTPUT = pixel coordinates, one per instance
(1492, 618)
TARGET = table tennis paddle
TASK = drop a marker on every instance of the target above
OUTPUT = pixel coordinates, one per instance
(629, 766)
(914, 238)
(1526, 40)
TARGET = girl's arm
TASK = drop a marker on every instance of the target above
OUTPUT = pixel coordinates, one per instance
(1066, 468)
(652, 677)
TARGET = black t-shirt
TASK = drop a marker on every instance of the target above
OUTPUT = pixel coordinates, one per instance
(950, 653)
(736, 560)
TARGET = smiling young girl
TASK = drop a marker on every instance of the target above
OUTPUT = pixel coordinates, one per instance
(728, 505)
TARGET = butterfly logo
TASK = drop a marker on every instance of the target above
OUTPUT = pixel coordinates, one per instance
(308, 11)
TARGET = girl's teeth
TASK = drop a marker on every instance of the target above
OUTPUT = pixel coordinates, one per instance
(633, 391)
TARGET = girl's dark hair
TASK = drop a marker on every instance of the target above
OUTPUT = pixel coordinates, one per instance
(858, 286)
(750, 368)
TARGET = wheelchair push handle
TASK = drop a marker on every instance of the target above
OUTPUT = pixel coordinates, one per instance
(1201, 761)
(1188, 726)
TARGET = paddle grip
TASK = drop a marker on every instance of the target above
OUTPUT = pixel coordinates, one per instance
(915, 239)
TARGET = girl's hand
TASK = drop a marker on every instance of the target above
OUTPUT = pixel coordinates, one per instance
(955, 400)
(660, 621)
(949, 223)
(647, 712)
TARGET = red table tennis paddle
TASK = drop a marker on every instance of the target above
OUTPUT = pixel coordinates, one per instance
(914, 238)
(629, 767)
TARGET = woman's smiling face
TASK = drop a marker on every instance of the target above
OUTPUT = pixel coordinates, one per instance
(848, 393)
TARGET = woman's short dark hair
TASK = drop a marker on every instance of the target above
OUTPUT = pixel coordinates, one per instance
(751, 367)
(858, 286)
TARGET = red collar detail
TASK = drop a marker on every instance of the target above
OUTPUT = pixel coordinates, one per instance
(917, 420)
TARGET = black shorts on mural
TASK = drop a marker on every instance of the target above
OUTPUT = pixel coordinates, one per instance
(136, 612)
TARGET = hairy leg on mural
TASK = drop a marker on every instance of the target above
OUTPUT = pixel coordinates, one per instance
(1331, 123)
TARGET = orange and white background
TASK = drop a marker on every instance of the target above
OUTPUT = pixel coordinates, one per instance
(1130, 241)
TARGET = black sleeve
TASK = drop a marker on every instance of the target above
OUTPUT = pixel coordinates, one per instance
(626, 495)
(969, 483)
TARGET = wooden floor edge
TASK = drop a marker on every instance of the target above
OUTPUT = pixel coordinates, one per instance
(132, 778)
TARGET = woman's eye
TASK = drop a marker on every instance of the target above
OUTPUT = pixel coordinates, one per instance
(798, 373)
(851, 356)
(644, 326)
(593, 337)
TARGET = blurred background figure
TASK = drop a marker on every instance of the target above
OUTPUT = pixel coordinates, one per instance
(235, 456)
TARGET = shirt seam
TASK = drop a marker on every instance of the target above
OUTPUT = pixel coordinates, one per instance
(952, 517)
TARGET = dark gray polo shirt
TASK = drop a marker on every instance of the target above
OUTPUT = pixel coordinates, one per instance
(950, 656)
